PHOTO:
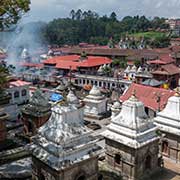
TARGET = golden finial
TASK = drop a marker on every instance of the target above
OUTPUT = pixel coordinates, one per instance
(133, 96)
(134, 93)
(177, 90)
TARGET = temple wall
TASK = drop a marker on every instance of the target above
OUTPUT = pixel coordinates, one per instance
(132, 164)
(173, 148)
(87, 168)
(2, 130)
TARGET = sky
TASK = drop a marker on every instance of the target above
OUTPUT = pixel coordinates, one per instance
(46, 10)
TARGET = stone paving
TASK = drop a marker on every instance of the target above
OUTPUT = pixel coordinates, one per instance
(171, 171)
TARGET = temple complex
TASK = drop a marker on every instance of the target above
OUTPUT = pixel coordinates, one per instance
(168, 122)
(36, 112)
(131, 142)
(95, 104)
(64, 148)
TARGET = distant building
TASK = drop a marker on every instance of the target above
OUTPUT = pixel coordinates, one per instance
(131, 141)
(154, 99)
(168, 73)
(19, 92)
(168, 122)
(64, 148)
(174, 25)
(82, 64)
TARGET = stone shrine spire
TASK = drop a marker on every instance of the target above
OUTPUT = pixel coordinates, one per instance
(63, 143)
(168, 120)
(131, 126)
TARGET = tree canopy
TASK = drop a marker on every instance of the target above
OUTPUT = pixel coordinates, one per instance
(11, 11)
(89, 27)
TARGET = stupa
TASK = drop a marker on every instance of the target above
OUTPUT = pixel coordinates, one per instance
(131, 141)
(168, 122)
(64, 148)
(115, 109)
(95, 104)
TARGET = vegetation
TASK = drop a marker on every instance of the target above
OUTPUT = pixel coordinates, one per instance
(11, 11)
(3, 76)
(137, 63)
(120, 63)
(148, 35)
(89, 27)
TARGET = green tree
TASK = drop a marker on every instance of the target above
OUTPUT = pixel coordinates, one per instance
(11, 11)
(78, 14)
(137, 63)
(3, 76)
(72, 14)
(113, 16)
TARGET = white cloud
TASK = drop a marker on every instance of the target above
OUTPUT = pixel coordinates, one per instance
(48, 9)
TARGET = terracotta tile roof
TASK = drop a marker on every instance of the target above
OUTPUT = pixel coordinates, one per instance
(148, 95)
(31, 65)
(163, 59)
(168, 69)
(74, 61)
(158, 61)
(18, 83)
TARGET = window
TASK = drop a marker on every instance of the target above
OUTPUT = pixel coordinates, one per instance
(117, 158)
(16, 94)
(24, 92)
(76, 81)
(165, 147)
(147, 110)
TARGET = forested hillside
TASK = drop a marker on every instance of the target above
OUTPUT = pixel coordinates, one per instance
(89, 27)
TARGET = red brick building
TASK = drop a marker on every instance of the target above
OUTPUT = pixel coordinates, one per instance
(169, 73)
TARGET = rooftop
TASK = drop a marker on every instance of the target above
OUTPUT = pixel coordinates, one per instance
(18, 83)
(167, 69)
(148, 95)
(75, 61)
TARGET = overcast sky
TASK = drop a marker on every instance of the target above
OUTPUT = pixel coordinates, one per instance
(47, 10)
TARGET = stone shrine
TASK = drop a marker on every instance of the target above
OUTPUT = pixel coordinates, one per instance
(3, 117)
(95, 104)
(36, 112)
(168, 122)
(64, 149)
(131, 142)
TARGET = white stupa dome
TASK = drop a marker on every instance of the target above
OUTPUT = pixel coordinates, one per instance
(72, 98)
(95, 91)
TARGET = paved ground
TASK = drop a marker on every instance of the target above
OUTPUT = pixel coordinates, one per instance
(171, 171)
